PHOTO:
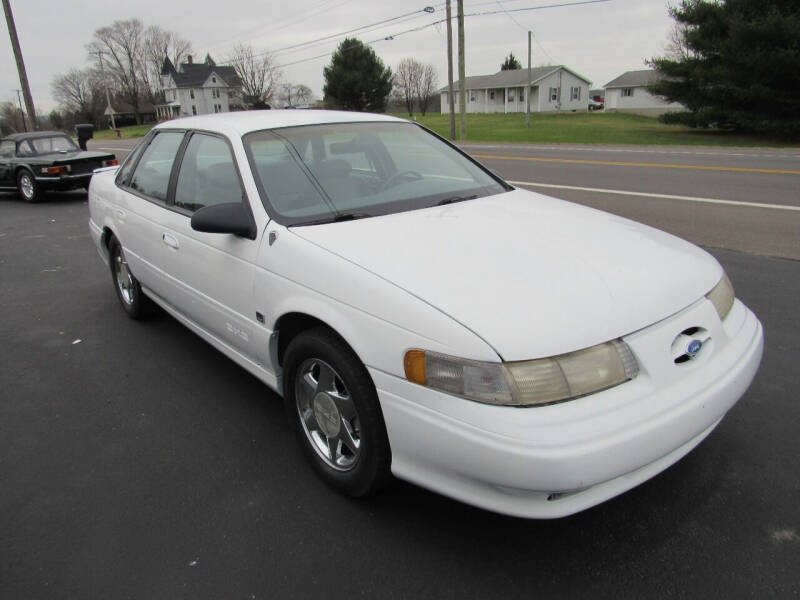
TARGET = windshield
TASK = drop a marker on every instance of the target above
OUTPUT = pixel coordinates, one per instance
(322, 173)
(50, 145)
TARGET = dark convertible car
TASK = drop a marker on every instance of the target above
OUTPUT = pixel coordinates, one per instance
(47, 160)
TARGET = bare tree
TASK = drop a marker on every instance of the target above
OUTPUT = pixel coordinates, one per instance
(295, 95)
(258, 73)
(120, 45)
(676, 46)
(11, 118)
(159, 44)
(406, 82)
(81, 96)
(427, 84)
(75, 90)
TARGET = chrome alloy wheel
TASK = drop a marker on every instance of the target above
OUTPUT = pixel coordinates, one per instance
(328, 414)
(124, 278)
(26, 186)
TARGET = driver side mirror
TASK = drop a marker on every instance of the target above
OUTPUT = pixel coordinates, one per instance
(230, 218)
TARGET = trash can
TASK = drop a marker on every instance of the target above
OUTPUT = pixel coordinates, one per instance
(84, 131)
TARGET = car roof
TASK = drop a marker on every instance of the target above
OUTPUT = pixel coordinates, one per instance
(242, 122)
(16, 137)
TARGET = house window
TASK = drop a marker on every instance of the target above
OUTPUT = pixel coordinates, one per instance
(194, 109)
(174, 94)
(627, 92)
(471, 98)
(213, 80)
(510, 95)
(191, 94)
(491, 95)
(575, 93)
(555, 94)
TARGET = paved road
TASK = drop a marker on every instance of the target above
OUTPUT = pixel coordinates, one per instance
(138, 462)
(740, 199)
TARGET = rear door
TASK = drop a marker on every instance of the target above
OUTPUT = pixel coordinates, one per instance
(141, 207)
(210, 274)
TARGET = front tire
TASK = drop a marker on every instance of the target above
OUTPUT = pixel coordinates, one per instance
(127, 287)
(27, 186)
(332, 404)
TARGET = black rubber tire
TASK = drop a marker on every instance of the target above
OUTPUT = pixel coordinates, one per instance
(37, 189)
(140, 305)
(372, 470)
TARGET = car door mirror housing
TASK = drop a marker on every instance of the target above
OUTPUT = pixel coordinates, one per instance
(230, 218)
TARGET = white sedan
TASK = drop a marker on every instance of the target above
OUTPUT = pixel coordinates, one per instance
(420, 316)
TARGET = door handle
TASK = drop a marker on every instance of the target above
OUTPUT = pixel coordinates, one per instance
(170, 241)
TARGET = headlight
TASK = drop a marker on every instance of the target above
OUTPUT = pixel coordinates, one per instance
(722, 296)
(525, 383)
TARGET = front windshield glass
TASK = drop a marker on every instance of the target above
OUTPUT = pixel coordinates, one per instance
(321, 173)
(50, 145)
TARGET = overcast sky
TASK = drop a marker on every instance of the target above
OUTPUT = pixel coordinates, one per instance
(599, 41)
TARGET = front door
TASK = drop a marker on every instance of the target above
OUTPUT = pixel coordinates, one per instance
(210, 274)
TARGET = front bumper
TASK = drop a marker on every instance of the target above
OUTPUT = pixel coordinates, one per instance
(553, 461)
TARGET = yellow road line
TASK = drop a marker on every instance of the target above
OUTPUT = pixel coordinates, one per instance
(616, 163)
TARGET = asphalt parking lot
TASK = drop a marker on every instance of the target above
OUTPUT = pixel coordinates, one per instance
(138, 462)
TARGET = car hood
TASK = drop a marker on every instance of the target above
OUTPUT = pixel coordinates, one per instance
(533, 276)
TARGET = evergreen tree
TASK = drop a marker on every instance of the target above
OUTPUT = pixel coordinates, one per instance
(510, 63)
(735, 64)
(356, 79)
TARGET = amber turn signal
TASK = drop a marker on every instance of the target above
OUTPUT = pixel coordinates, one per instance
(414, 363)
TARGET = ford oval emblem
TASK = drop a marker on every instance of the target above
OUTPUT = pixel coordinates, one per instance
(694, 347)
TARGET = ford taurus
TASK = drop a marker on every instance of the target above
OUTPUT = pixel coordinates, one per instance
(420, 316)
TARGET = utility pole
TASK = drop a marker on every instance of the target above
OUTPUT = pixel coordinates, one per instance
(528, 90)
(21, 111)
(462, 75)
(23, 77)
(105, 85)
(450, 92)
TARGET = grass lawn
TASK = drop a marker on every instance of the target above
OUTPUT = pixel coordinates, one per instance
(569, 128)
(132, 131)
(589, 128)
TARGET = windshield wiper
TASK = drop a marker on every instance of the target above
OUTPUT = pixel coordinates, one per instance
(452, 199)
(351, 216)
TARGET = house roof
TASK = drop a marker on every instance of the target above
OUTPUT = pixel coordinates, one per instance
(196, 74)
(635, 79)
(512, 78)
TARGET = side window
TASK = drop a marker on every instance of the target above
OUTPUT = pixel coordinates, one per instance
(208, 174)
(7, 149)
(25, 149)
(151, 177)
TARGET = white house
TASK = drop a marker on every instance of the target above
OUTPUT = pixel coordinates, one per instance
(628, 93)
(196, 88)
(552, 88)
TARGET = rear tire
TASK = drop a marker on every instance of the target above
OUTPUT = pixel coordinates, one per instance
(333, 407)
(27, 186)
(129, 291)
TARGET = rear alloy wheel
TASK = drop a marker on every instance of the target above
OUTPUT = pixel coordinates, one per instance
(127, 287)
(27, 186)
(333, 406)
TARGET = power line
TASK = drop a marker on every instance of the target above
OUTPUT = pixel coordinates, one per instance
(288, 22)
(528, 29)
(434, 23)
